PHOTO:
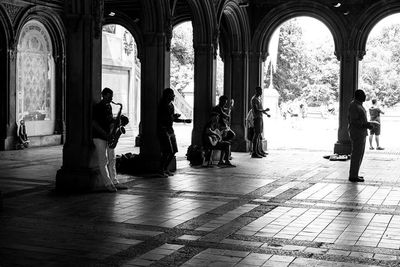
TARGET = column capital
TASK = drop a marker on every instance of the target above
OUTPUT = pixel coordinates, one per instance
(258, 56)
(203, 48)
(154, 38)
(238, 54)
(349, 54)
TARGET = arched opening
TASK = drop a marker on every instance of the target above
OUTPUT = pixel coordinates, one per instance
(379, 77)
(182, 81)
(121, 72)
(219, 80)
(35, 82)
(301, 86)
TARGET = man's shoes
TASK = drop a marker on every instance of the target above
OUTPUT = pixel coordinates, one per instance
(371, 148)
(358, 179)
(256, 156)
(229, 164)
(380, 148)
(169, 173)
(221, 164)
(161, 175)
(120, 186)
(111, 188)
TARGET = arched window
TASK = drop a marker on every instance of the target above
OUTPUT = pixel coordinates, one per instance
(35, 80)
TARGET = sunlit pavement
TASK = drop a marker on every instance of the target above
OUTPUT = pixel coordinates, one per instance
(292, 208)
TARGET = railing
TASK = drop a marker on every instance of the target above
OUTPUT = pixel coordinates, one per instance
(182, 106)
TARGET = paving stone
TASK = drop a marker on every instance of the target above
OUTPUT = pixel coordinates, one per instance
(293, 208)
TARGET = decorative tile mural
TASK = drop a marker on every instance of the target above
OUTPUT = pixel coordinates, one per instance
(34, 73)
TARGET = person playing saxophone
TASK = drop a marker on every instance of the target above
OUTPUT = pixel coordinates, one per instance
(103, 123)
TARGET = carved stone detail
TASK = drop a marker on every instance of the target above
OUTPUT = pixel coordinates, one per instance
(12, 10)
(215, 41)
(98, 11)
(168, 34)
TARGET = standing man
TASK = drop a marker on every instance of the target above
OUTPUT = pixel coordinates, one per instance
(103, 123)
(258, 111)
(166, 135)
(358, 126)
(375, 115)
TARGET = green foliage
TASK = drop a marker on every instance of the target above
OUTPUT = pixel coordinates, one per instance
(182, 60)
(182, 57)
(380, 68)
(304, 71)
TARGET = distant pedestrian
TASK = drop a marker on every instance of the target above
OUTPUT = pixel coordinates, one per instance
(358, 126)
(375, 115)
(258, 111)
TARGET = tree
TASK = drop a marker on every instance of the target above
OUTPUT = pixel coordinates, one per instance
(305, 71)
(380, 75)
(290, 76)
(182, 57)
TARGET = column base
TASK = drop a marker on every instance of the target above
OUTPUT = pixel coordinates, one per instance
(8, 143)
(76, 181)
(342, 148)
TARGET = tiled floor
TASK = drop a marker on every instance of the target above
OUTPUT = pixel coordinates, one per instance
(293, 208)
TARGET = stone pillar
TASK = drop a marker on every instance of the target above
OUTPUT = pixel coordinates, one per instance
(154, 81)
(228, 76)
(84, 23)
(255, 71)
(204, 88)
(349, 60)
(240, 95)
(5, 139)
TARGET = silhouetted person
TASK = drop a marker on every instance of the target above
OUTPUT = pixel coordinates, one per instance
(165, 118)
(258, 111)
(375, 115)
(358, 126)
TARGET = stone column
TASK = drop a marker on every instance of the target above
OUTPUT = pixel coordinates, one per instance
(84, 23)
(240, 95)
(6, 133)
(255, 71)
(349, 61)
(228, 76)
(204, 88)
(154, 81)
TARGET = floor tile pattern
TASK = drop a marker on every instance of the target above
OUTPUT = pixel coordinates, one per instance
(293, 208)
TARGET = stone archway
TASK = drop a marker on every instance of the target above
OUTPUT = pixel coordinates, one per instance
(121, 71)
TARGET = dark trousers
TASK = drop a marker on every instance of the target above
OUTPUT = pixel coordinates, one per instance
(257, 136)
(357, 154)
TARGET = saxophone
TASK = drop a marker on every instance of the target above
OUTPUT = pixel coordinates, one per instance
(118, 129)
